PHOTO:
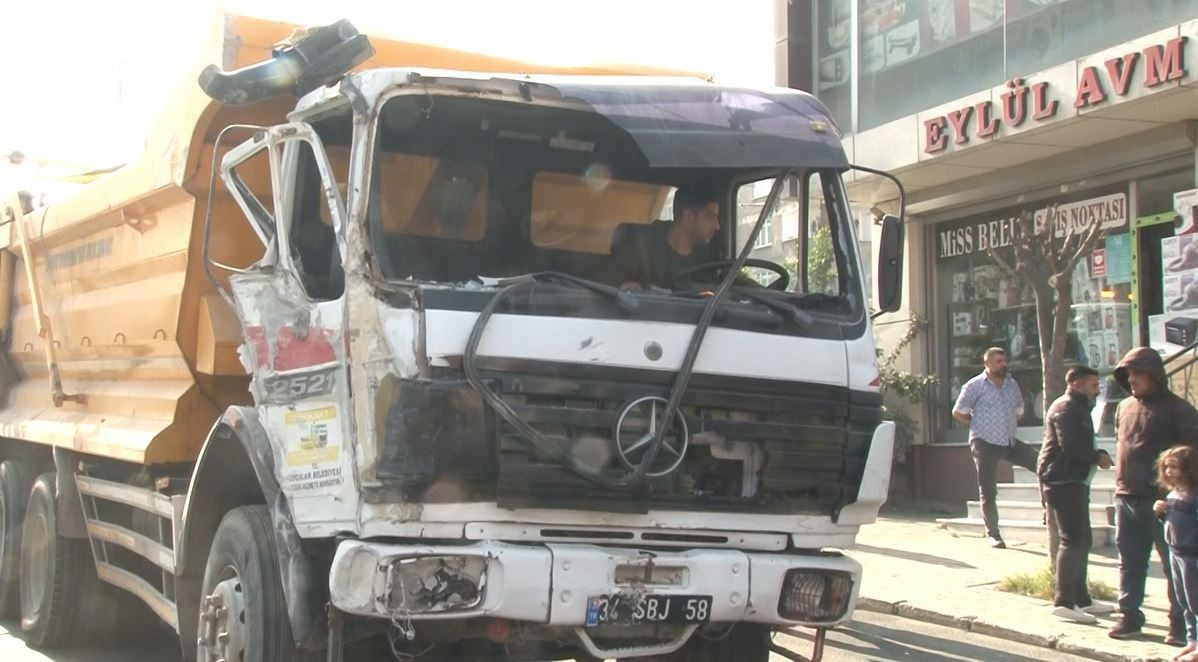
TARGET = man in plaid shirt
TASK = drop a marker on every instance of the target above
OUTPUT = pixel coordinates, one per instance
(991, 404)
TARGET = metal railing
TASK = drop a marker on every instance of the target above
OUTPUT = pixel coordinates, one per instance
(1183, 363)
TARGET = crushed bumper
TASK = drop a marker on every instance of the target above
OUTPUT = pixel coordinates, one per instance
(551, 583)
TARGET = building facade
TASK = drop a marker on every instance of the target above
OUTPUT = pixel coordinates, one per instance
(1063, 112)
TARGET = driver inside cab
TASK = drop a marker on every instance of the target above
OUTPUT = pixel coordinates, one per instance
(654, 255)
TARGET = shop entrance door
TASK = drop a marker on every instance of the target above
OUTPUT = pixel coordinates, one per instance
(1148, 272)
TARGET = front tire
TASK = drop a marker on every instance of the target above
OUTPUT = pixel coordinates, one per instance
(54, 571)
(16, 479)
(243, 613)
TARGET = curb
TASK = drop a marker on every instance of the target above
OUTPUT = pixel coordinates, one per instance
(972, 624)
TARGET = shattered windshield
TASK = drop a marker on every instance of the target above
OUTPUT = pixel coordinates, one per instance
(465, 191)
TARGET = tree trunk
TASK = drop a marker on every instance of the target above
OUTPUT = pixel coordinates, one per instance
(1054, 369)
(1046, 324)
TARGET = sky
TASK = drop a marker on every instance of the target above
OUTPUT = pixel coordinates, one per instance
(87, 79)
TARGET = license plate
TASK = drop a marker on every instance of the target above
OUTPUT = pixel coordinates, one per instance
(651, 608)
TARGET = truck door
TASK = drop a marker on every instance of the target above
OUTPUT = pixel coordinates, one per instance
(291, 307)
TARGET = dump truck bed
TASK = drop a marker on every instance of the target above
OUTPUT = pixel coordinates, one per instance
(146, 350)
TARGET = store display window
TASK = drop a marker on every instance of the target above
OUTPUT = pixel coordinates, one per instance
(978, 305)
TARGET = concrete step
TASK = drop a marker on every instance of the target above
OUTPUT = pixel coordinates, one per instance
(1102, 477)
(1107, 444)
(1031, 511)
(1099, 494)
(1027, 531)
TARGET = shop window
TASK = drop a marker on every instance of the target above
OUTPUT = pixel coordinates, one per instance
(949, 49)
(834, 71)
(943, 48)
(1044, 34)
(978, 305)
(1155, 194)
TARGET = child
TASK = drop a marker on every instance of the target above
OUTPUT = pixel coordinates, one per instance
(1177, 470)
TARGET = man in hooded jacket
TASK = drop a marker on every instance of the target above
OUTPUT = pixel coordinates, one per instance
(1151, 421)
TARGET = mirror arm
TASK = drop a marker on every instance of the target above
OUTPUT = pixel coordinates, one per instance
(902, 192)
(902, 210)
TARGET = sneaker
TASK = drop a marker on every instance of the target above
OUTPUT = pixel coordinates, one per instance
(1097, 608)
(1175, 640)
(997, 543)
(1073, 614)
(1124, 629)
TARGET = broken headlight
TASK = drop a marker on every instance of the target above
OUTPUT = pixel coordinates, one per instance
(815, 596)
(434, 584)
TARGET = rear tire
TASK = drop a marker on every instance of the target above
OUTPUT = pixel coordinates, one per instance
(16, 479)
(243, 613)
(54, 570)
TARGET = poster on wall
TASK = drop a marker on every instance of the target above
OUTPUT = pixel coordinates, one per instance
(1185, 204)
(1177, 326)
(1118, 254)
(835, 36)
(891, 32)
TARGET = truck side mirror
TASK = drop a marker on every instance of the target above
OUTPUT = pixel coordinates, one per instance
(890, 254)
(890, 265)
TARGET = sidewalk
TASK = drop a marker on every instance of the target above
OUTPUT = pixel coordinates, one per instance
(915, 568)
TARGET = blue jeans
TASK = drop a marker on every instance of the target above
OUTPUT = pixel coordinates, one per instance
(1185, 590)
(1137, 531)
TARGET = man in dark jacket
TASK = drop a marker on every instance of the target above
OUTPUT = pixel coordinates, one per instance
(653, 255)
(1149, 422)
(1067, 461)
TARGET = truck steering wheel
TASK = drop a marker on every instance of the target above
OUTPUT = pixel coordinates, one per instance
(779, 283)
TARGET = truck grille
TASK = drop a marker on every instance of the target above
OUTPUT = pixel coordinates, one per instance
(814, 438)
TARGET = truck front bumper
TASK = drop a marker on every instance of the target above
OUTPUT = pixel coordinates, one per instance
(552, 584)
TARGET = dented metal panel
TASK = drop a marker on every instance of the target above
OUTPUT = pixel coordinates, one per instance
(294, 351)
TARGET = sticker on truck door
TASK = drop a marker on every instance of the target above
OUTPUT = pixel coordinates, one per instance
(312, 453)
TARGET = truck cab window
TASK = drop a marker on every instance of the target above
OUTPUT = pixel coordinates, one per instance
(821, 262)
(800, 234)
(314, 251)
(236, 242)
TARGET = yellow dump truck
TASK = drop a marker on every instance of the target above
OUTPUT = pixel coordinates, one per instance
(455, 351)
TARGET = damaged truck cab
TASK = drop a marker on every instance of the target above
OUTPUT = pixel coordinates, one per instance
(497, 434)
(467, 425)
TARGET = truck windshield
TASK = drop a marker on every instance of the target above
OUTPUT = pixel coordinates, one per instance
(466, 190)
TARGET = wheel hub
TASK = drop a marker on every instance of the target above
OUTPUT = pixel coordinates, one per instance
(222, 623)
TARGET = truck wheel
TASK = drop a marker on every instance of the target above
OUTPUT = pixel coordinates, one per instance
(53, 571)
(243, 614)
(16, 478)
(747, 642)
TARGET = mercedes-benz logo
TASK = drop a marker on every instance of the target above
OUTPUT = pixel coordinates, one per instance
(635, 427)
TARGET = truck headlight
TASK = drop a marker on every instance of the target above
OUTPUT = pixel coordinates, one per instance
(432, 584)
(815, 596)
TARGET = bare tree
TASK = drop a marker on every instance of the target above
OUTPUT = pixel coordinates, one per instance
(1045, 262)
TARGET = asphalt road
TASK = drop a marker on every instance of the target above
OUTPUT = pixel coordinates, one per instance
(869, 637)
